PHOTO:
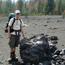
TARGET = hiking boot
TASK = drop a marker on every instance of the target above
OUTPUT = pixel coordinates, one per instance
(15, 58)
(11, 58)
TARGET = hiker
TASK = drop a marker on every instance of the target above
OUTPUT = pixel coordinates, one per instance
(15, 35)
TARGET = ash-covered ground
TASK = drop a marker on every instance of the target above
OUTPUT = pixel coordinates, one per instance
(49, 25)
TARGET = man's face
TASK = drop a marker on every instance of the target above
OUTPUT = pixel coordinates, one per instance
(17, 15)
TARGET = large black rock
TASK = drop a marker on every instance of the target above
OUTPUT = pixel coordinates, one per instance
(38, 50)
(35, 49)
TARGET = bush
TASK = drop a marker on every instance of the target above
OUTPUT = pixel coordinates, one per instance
(32, 14)
(55, 12)
(63, 15)
(49, 13)
(26, 14)
(39, 14)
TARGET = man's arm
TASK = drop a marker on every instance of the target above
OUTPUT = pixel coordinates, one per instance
(9, 35)
(9, 25)
(22, 32)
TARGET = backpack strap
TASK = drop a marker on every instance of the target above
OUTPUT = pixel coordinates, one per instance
(11, 28)
(20, 23)
(13, 22)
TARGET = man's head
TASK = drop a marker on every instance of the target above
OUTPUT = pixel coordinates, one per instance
(17, 13)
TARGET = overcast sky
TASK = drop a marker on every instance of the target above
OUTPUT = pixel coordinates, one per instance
(17, 0)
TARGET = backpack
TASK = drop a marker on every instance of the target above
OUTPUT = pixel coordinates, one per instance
(11, 15)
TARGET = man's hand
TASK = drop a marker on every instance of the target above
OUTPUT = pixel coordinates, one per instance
(24, 36)
(9, 36)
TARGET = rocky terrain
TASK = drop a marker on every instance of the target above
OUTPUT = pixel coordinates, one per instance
(48, 25)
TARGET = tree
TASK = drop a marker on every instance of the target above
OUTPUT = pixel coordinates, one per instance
(49, 7)
(24, 9)
(59, 7)
(13, 7)
(9, 4)
(0, 7)
(40, 9)
(32, 7)
(32, 10)
(63, 5)
(20, 5)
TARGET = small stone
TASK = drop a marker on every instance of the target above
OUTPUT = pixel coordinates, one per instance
(0, 53)
(1, 37)
(59, 20)
(53, 38)
(1, 62)
(32, 33)
(54, 56)
(57, 52)
(38, 19)
(25, 32)
(54, 42)
(52, 22)
(63, 52)
(3, 58)
(62, 45)
(34, 27)
(48, 18)
(42, 29)
(27, 21)
(35, 24)
(40, 63)
(62, 63)
(46, 35)
(45, 25)
(42, 34)
(47, 21)
(33, 19)
(42, 25)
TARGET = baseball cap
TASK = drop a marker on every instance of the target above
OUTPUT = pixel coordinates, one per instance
(17, 11)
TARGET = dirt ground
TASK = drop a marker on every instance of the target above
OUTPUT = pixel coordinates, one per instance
(49, 25)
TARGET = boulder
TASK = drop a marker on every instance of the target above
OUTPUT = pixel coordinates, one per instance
(38, 50)
(53, 38)
(35, 49)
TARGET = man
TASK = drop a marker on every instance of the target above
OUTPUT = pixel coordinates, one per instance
(15, 35)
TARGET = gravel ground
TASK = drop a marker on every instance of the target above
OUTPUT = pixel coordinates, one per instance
(49, 25)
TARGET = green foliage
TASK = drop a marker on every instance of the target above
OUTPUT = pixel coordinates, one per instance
(49, 7)
(26, 14)
(0, 8)
(49, 13)
(19, 5)
(39, 7)
(55, 12)
(59, 7)
(24, 10)
(63, 15)
(33, 8)
(63, 5)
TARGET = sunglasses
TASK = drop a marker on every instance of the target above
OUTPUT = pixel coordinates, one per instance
(18, 13)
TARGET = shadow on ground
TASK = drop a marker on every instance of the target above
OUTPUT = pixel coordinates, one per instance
(16, 63)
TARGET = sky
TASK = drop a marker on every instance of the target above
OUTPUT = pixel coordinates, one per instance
(17, 0)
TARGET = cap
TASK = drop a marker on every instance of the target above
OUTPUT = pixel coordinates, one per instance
(17, 11)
